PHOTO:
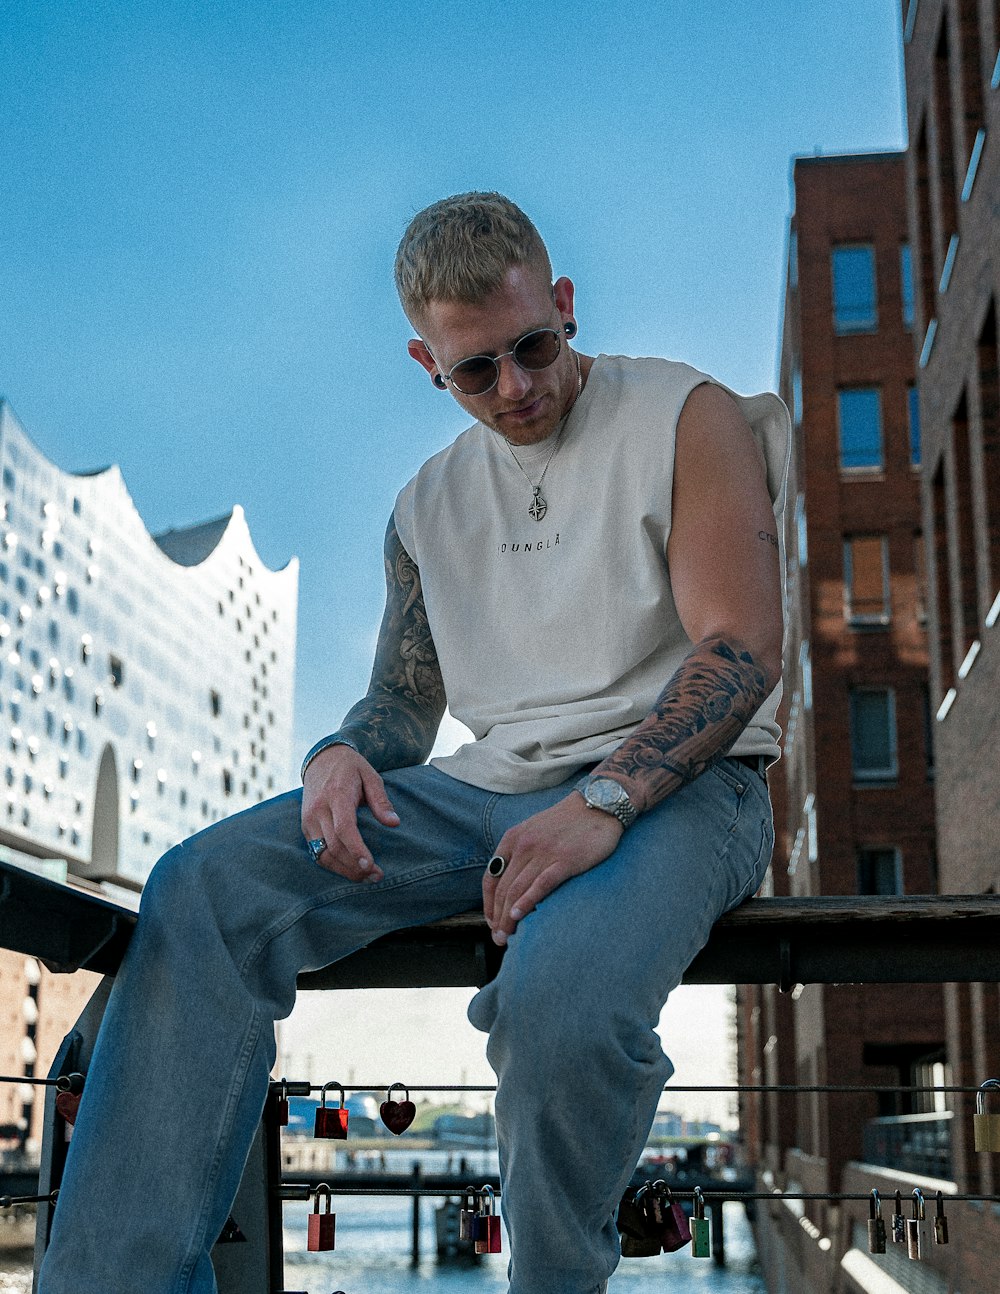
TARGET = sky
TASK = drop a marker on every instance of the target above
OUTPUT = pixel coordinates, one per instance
(199, 207)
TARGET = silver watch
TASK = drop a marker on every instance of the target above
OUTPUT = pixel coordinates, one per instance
(609, 796)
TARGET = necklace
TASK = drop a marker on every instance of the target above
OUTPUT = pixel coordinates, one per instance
(538, 506)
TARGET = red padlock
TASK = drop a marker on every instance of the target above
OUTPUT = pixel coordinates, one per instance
(397, 1115)
(488, 1224)
(675, 1232)
(322, 1226)
(331, 1123)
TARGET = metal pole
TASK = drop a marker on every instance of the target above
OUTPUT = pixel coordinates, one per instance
(718, 1234)
(415, 1252)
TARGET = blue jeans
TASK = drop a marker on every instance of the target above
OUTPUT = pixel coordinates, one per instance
(180, 1069)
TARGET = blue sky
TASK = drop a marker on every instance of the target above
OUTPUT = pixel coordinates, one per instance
(200, 203)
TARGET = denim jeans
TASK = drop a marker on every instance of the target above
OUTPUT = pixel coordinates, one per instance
(180, 1070)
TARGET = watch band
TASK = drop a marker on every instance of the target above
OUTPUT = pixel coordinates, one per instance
(615, 801)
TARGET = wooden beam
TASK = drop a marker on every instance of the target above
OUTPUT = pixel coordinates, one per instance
(829, 939)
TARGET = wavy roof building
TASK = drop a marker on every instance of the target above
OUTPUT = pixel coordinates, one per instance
(146, 682)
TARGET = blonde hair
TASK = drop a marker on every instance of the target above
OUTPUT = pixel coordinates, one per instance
(460, 248)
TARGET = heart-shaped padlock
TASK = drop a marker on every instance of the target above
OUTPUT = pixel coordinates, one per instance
(397, 1115)
(68, 1103)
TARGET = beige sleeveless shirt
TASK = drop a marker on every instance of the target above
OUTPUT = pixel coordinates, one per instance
(556, 637)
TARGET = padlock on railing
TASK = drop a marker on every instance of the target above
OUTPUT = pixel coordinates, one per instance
(701, 1239)
(281, 1104)
(331, 1123)
(986, 1126)
(468, 1214)
(488, 1225)
(940, 1222)
(397, 1115)
(876, 1225)
(639, 1221)
(322, 1226)
(898, 1222)
(674, 1230)
(915, 1237)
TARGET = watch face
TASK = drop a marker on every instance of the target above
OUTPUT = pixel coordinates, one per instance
(605, 793)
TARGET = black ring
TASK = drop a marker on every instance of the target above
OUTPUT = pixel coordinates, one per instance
(496, 866)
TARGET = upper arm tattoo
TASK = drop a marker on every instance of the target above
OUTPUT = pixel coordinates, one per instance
(395, 723)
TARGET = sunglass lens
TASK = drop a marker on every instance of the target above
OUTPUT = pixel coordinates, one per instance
(474, 376)
(538, 349)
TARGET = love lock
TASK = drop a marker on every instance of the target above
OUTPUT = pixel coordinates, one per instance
(876, 1225)
(639, 1222)
(701, 1239)
(488, 1225)
(331, 1123)
(915, 1240)
(469, 1213)
(397, 1115)
(281, 1103)
(986, 1126)
(674, 1230)
(322, 1226)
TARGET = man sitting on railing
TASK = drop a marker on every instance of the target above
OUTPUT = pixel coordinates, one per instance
(590, 577)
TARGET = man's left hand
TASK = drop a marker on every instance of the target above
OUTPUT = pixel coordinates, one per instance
(542, 852)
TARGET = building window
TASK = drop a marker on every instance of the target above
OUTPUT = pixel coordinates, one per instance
(855, 308)
(919, 578)
(866, 579)
(117, 671)
(906, 283)
(873, 735)
(860, 416)
(227, 782)
(215, 702)
(879, 871)
(913, 407)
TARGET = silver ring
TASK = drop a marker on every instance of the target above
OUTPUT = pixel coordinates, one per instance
(496, 866)
(315, 848)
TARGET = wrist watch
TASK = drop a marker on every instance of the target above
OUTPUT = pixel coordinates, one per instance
(609, 796)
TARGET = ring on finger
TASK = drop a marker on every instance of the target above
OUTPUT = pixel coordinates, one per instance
(316, 847)
(496, 866)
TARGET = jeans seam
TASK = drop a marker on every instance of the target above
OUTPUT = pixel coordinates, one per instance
(362, 890)
(187, 1269)
(488, 810)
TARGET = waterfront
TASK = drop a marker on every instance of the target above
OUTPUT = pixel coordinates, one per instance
(374, 1238)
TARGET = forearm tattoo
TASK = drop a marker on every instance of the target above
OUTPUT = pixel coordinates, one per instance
(704, 707)
(394, 725)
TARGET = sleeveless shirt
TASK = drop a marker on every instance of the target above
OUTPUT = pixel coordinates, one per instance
(555, 637)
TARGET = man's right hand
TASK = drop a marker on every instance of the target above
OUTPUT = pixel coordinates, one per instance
(337, 782)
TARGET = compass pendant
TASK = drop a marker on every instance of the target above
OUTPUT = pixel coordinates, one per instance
(538, 507)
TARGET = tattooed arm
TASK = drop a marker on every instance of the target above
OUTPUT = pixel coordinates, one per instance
(726, 582)
(392, 726)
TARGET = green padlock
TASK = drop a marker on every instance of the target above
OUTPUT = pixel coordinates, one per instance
(986, 1126)
(701, 1239)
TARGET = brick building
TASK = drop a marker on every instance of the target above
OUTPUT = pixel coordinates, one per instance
(953, 190)
(853, 794)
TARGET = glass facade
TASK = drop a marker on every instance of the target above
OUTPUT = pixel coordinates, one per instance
(146, 684)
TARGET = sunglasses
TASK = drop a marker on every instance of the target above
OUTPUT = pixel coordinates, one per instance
(480, 373)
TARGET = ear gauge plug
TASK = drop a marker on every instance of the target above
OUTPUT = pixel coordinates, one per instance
(439, 382)
(570, 328)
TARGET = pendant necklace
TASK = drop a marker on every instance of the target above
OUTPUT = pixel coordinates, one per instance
(538, 506)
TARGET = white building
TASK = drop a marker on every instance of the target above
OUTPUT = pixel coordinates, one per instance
(146, 683)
